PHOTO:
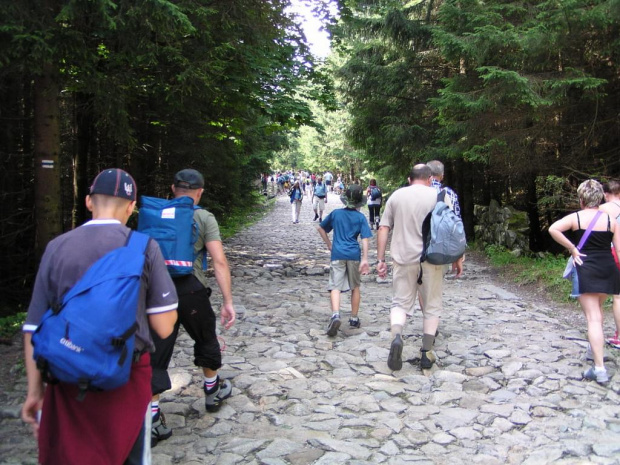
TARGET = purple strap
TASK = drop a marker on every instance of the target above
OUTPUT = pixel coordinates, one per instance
(584, 238)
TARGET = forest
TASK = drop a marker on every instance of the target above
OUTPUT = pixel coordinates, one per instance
(519, 99)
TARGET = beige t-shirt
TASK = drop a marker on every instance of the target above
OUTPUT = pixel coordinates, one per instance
(209, 231)
(404, 214)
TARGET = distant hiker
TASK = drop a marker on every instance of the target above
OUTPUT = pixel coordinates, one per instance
(296, 195)
(319, 198)
(112, 426)
(195, 311)
(346, 263)
(375, 198)
(404, 214)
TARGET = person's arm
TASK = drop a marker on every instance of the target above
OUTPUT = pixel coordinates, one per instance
(224, 282)
(616, 239)
(325, 237)
(364, 267)
(382, 238)
(163, 323)
(557, 229)
(34, 395)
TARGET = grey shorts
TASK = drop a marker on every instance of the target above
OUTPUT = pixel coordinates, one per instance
(344, 275)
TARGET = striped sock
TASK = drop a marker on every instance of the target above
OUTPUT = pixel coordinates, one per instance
(154, 407)
(210, 383)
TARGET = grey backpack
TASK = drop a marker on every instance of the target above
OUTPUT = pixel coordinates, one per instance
(443, 234)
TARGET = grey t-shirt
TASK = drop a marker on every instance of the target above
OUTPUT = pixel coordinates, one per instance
(67, 258)
(209, 231)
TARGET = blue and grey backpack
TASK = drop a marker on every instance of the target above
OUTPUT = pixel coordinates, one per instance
(88, 338)
(443, 234)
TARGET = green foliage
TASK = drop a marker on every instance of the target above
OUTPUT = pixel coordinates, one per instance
(543, 271)
(11, 325)
(245, 215)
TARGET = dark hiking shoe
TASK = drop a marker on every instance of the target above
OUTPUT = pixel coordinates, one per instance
(355, 322)
(315, 217)
(427, 358)
(333, 326)
(159, 429)
(395, 359)
(215, 396)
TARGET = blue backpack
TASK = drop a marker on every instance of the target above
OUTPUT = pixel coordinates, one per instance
(171, 223)
(88, 339)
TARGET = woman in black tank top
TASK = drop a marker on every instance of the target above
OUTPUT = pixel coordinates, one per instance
(595, 274)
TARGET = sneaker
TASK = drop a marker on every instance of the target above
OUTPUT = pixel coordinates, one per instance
(159, 429)
(333, 326)
(372, 226)
(315, 217)
(427, 358)
(355, 322)
(614, 341)
(214, 398)
(599, 376)
(395, 359)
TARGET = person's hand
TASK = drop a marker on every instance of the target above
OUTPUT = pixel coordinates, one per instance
(227, 315)
(32, 405)
(382, 269)
(576, 254)
(364, 267)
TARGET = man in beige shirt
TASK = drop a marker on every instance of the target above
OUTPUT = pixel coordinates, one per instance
(404, 214)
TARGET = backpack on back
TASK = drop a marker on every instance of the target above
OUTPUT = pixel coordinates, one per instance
(375, 193)
(88, 338)
(171, 223)
(443, 234)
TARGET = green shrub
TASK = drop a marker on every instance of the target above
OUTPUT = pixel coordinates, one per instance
(10, 325)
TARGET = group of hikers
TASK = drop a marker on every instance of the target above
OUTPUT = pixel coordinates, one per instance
(120, 425)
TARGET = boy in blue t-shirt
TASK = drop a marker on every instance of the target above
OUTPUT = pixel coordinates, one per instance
(345, 267)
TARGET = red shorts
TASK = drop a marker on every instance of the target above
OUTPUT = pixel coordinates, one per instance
(99, 430)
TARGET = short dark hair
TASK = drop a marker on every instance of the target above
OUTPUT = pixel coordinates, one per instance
(420, 172)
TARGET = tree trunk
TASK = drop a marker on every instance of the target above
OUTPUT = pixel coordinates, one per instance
(85, 124)
(46, 158)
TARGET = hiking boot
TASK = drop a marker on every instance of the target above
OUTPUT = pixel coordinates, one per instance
(159, 429)
(355, 322)
(316, 216)
(599, 376)
(614, 341)
(333, 326)
(427, 358)
(395, 359)
(215, 396)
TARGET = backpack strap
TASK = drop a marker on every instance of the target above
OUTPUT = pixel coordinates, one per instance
(578, 222)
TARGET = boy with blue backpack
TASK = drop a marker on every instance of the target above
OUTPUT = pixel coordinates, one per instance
(187, 234)
(80, 417)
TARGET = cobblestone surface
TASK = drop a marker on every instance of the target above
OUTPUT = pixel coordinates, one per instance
(507, 386)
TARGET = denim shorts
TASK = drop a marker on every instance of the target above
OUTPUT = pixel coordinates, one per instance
(575, 280)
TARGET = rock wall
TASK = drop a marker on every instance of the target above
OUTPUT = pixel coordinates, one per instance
(504, 226)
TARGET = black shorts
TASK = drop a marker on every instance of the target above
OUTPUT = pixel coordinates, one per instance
(197, 317)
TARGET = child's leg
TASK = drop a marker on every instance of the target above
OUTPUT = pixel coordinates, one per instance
(335, 300)
(355, 301)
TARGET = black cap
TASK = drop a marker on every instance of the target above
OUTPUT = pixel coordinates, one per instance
(189, 179)
(115, 183)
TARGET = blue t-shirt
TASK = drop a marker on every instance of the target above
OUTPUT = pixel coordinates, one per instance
(319, 190)
(347, 225)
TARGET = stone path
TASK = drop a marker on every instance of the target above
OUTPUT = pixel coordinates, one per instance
(507, 387)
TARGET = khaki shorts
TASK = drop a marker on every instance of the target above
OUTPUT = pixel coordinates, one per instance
(405, 287)
(344, 275)
(318, 204)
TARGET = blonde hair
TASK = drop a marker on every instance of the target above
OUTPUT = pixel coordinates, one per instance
(590, 193)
